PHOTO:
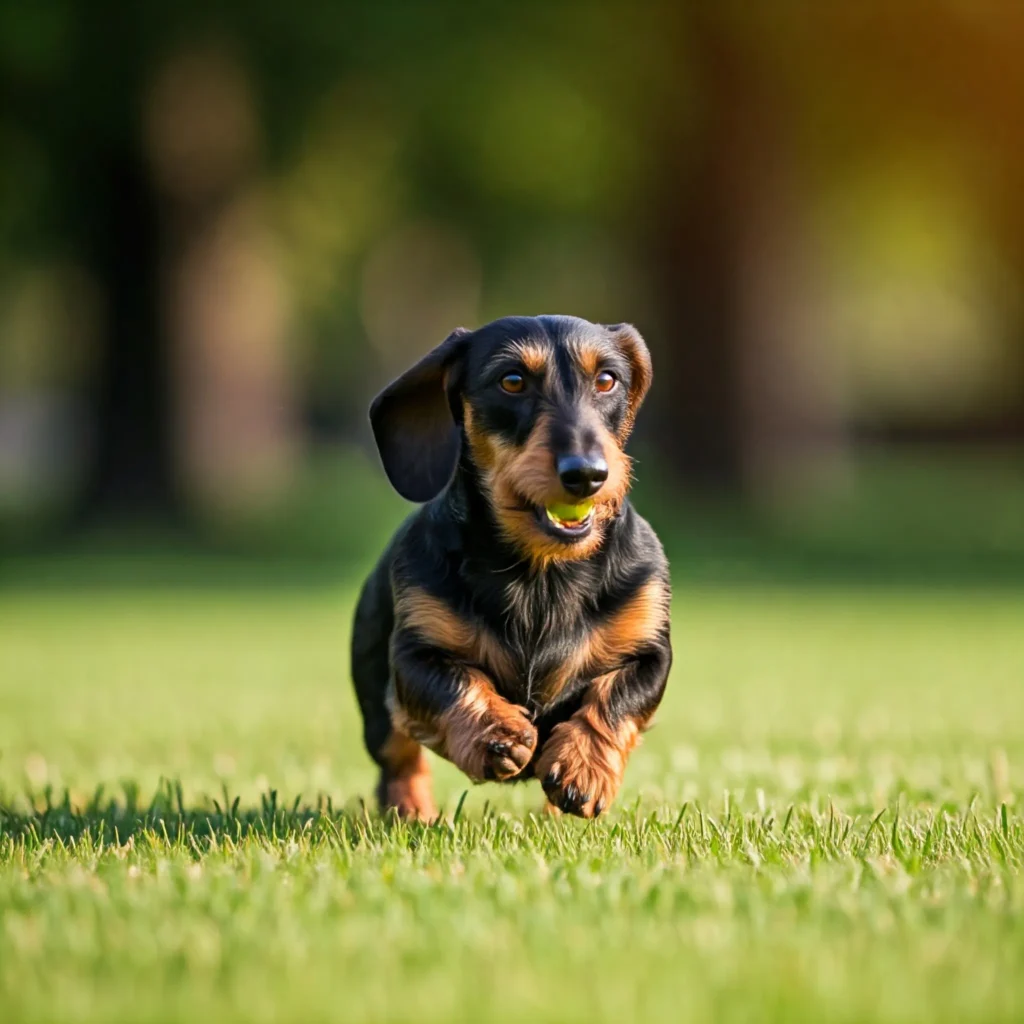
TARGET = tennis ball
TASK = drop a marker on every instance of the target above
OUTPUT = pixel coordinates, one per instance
(570, 513)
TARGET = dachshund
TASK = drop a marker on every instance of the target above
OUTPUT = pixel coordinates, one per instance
(518, 622)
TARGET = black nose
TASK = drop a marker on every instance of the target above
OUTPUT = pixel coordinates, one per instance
(582, 475)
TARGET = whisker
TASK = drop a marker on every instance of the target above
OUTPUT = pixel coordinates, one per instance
(509, 568)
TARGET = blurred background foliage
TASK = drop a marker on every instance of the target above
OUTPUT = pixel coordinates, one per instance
(226, 225)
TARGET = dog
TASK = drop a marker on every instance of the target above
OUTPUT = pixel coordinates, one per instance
(518, 622)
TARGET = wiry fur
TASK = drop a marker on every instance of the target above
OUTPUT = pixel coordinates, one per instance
(510, 651)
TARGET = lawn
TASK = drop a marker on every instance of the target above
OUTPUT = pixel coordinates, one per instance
(824, 825)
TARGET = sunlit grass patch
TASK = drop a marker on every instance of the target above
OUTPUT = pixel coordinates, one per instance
(825, 824)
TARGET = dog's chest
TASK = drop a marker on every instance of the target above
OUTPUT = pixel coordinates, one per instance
(541, 633)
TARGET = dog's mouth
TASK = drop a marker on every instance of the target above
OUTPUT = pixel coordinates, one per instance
(566, 522)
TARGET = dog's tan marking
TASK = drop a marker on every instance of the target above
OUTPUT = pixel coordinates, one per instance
(589, 358)
(486, 736)
(486, 449)
(435, 623)
(534, 356)
(405, 779)
(605, 647)
(620, 475)
(520, 480)
(481, 733)
(639, 621)
(641, 374)
(587, 753)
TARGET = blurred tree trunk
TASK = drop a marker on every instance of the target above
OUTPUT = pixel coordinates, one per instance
(225, 304)
(693, 261)
(130, 468)
(745, 395)
(192, 403)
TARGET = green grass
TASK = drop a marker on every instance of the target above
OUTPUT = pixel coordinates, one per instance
(824, 825)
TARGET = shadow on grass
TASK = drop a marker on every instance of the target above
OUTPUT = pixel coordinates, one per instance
(35, 828)
(38, 819)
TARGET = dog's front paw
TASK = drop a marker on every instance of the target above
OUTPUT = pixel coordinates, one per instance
(496, 745)
(581, 768)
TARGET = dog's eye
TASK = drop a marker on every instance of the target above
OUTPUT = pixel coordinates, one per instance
(605, 382)
(513, 383)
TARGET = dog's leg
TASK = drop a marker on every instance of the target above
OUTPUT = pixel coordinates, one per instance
(455, 710)
(582, 763)
(405, 779)
(404, 771)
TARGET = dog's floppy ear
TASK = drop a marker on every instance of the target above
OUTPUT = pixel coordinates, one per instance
(413, 426)
(634, 348)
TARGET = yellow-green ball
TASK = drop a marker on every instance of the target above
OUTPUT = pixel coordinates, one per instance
(571, 513)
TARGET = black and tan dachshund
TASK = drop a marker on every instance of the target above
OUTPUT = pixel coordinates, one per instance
(518, 623)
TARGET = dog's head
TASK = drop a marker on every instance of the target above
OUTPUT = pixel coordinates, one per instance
(542, 406)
